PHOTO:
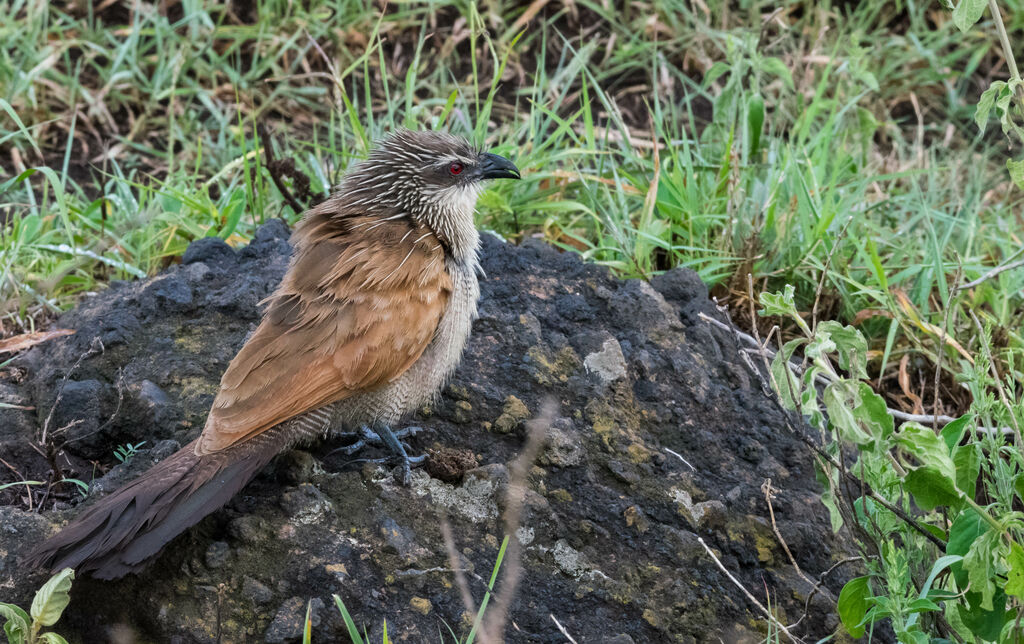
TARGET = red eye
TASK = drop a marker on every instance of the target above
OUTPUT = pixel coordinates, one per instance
(455, 168)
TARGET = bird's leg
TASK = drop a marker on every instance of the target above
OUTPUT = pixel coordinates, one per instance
(391, 439)
(385, 437)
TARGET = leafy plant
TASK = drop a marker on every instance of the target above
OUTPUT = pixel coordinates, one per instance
(936, 512)
(1005, 97)
(124, 453)
(47, 606)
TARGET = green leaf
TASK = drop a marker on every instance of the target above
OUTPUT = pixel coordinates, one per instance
(986, 102)
(715, 72)
(52, 638)
(857, 412)
(966, 528)
(922, 605)
(854, 601)
(785, 380)
(967, 460)
(985, 624)
(7, 485)
(1015, 575)
(778, 303)
(755, 123)
(776, 67)
(930, 488)
(16, 623)
(851, 346)
(828, 497)
(980, 570)
(953, 433)
(52, 598)
(912, 637)
(307, 625)
(353, 632)
(968, 12)
(926, 446)
(1016, 169)
(938, 567)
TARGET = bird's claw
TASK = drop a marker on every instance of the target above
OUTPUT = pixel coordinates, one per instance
(389, 439)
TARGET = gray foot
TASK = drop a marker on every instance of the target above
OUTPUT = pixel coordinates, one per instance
(386, 438)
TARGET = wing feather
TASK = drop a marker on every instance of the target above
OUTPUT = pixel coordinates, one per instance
(355, 310)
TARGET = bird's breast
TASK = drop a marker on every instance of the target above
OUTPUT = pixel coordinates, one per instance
(421, 383)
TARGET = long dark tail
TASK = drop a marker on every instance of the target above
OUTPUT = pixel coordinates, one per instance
(123, 531)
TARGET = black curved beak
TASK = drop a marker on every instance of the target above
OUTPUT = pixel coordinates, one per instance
(493, 166)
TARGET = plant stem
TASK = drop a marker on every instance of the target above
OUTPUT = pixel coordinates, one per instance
(1004, 40)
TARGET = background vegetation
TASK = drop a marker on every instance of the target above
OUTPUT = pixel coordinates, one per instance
(827, 146)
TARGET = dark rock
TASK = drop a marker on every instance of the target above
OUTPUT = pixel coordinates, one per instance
(298, 466)
(290, 618)
(78, 415)
(166, 294)
(209, 250)
(305, 504)
(161, 408)
(119, 327)
(399, 540)
(18, 531)
(608, 513)
(249, 528)
(257, 592)
(217, 554)
(622, 472)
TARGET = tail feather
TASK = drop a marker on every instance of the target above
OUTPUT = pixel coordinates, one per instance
(122, 532)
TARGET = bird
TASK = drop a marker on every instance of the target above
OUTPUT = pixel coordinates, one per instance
(368, 323)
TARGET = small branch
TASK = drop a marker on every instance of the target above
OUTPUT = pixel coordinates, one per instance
(1004, 40)
(680, 457)
(992, 273)
(273, 169)
(769, 494)
(821, 580)
(746, 592)
(493, 627)
(561, 629)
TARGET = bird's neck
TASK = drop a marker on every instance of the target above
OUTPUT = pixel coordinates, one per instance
(449, 214)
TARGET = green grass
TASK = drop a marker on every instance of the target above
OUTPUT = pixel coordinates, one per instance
(129, 134)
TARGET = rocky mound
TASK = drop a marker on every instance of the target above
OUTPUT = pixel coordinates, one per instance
(659, 436)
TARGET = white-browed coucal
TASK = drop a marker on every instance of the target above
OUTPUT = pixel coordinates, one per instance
(369, 321)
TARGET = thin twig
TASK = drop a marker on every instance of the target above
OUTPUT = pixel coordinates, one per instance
(824, 273)
(1004, 40)
(997, 378)
(769, 494)
(821, 580)
(271, 165)
(752, 599)
(561, 629)
(453, 560)
(679, 456)
(28, 488)
(992, 273)
(940, 349)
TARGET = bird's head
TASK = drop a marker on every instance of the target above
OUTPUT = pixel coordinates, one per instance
(431, 177)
